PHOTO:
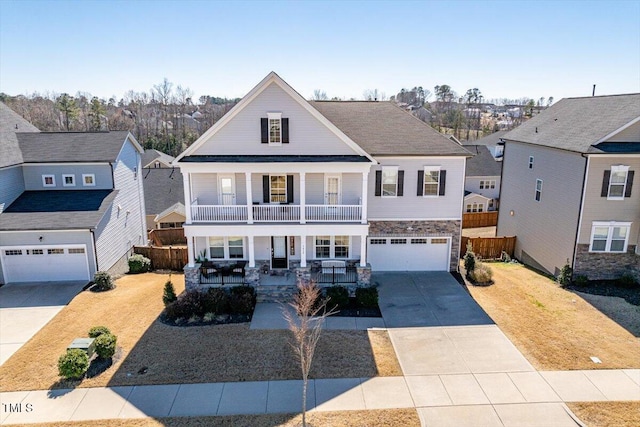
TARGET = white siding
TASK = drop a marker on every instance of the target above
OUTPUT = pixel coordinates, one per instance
(241, 135)
(545, 230)
(411, 206)
(33, 176)
(11, 185)
(472, 183)
(204, 187)
(118, 231)
(315, 188)
(351, 188)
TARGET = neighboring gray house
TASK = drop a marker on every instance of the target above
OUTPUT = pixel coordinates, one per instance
(482, 180)
(156, 159)
(164, 197)
(493, 142)
(80, 206)
(568, 190)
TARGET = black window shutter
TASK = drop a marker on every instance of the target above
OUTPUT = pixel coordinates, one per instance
(400, 183)
(420, 183)
(285, 131)
(443, 182)
(289, 188)
(605, 184)
(265, 188)
(378, 183)
(627, 192)
(264, 128)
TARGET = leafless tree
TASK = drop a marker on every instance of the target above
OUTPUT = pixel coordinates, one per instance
(305, 321)
(319, 95)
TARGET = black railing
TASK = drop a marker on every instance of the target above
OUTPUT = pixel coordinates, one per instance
(336, 274)
(213, 274)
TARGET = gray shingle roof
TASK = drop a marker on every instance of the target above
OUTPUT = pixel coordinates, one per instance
(575, 124)
(47, 147)
(176, 207)
(482, 163)
(162, 188)
(9, 149)
(150, 155)
(383, 129)
(489, 140)
(57, 210)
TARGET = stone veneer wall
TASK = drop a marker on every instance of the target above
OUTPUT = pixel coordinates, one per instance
(434, 228)
(603, 266)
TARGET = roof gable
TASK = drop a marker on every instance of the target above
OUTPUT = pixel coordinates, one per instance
(482, 163)
(575, 124)
(238, 132)
(163, 187)
(10, 123)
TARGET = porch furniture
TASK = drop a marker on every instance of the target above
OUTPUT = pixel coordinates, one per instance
(334, 267)
(212, 273)
(335, 271)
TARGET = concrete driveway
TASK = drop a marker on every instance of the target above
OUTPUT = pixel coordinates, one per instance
(26, 307)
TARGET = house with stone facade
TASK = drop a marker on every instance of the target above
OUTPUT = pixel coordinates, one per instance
(320, 190)
(568, 189)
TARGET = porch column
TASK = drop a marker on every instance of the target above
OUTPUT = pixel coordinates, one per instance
(363, 251)
(191, 249)
(303, 196)
(363, 202)
(303, 251)
(247, 177)
(252, 256)
(187, 197)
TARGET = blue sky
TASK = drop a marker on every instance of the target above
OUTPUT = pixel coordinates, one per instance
(507, 49)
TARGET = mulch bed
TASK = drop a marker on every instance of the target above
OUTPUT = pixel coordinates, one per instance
(222, 319)
(609, 288)
(352, 310)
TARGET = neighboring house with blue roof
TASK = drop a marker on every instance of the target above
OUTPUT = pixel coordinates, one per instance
(72, 202)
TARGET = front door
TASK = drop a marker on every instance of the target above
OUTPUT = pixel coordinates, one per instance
(332, 190)
(227, 190)
(279, 252)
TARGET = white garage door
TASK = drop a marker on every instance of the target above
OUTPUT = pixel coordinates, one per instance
(44, 263)
(409, 253)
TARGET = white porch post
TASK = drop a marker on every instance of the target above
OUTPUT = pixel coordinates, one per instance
(252, 256)
(247, 176)
(365, 186)
(303, 251)
(303, 196)
(363, 251)
(187, 196)
(191, 248)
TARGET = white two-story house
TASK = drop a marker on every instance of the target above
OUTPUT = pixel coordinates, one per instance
(281, 183)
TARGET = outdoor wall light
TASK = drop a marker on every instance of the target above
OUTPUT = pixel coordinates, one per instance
(512, 213)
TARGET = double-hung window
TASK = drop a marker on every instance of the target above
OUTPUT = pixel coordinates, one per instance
(609, 236)
(389, 181)
(486, 185)
(226, 247)
(277, 188)
(617, 182)
(538, 190)
(332, 246)
(275, 128)
(431, 181)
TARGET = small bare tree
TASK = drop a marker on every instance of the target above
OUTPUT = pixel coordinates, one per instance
(305, 322)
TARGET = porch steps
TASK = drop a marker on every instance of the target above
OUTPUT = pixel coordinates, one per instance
(276, 293)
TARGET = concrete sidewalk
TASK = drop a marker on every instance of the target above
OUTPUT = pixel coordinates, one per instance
(501, 399)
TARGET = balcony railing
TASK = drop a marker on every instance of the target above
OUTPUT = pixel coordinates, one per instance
(276, 213)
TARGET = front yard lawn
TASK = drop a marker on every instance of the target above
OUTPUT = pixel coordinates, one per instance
(607, 414)
(155, 353)
(554, 328)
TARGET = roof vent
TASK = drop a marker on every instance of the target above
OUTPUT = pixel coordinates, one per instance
(16, 126)
(536, 129)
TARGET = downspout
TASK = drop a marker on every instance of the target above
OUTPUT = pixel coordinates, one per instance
(95, 251)
(582, 197)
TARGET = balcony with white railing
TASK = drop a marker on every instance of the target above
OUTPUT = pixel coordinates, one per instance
(333, 213)
(276, 213)
(218, 213)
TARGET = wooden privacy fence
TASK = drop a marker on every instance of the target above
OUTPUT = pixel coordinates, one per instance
(167, 236)
(479, 219)
(489, 247)
(164, 258)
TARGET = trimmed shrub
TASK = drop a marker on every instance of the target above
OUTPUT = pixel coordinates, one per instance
(481, 274)
(103, 281)
(469, 259)
(215, 301)
(564, 278)
(627, 281)
(106, 345)
(73, 364)
(177, 310)
(338, 297)
(581, 280)
(169, 294)
(242, 300)
(192, 301)
(367, 297)
(139, 264)
(96, 331)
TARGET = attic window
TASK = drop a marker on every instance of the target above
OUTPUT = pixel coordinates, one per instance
(48, 180)
(274, 129)
(89, 180)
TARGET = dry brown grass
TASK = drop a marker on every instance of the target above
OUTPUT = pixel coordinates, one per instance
(184, 354)
(607, 414)
(479, 232)
(555, 329)
(377, 418)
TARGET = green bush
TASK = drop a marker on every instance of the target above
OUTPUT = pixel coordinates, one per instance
(169, 294)
(469, 259)
(103, 281)
(367, 297)
(338, 297)
(627, 281)
(581, 280)
(73, 364)
(564, 278)
(106, 345)
(139, 264)
(177, 310)
(215, 301)
(481, 274)
(96, 331)
(242, 300)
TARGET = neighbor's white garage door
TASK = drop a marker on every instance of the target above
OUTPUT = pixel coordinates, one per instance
(409, 253)
(44, 263)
